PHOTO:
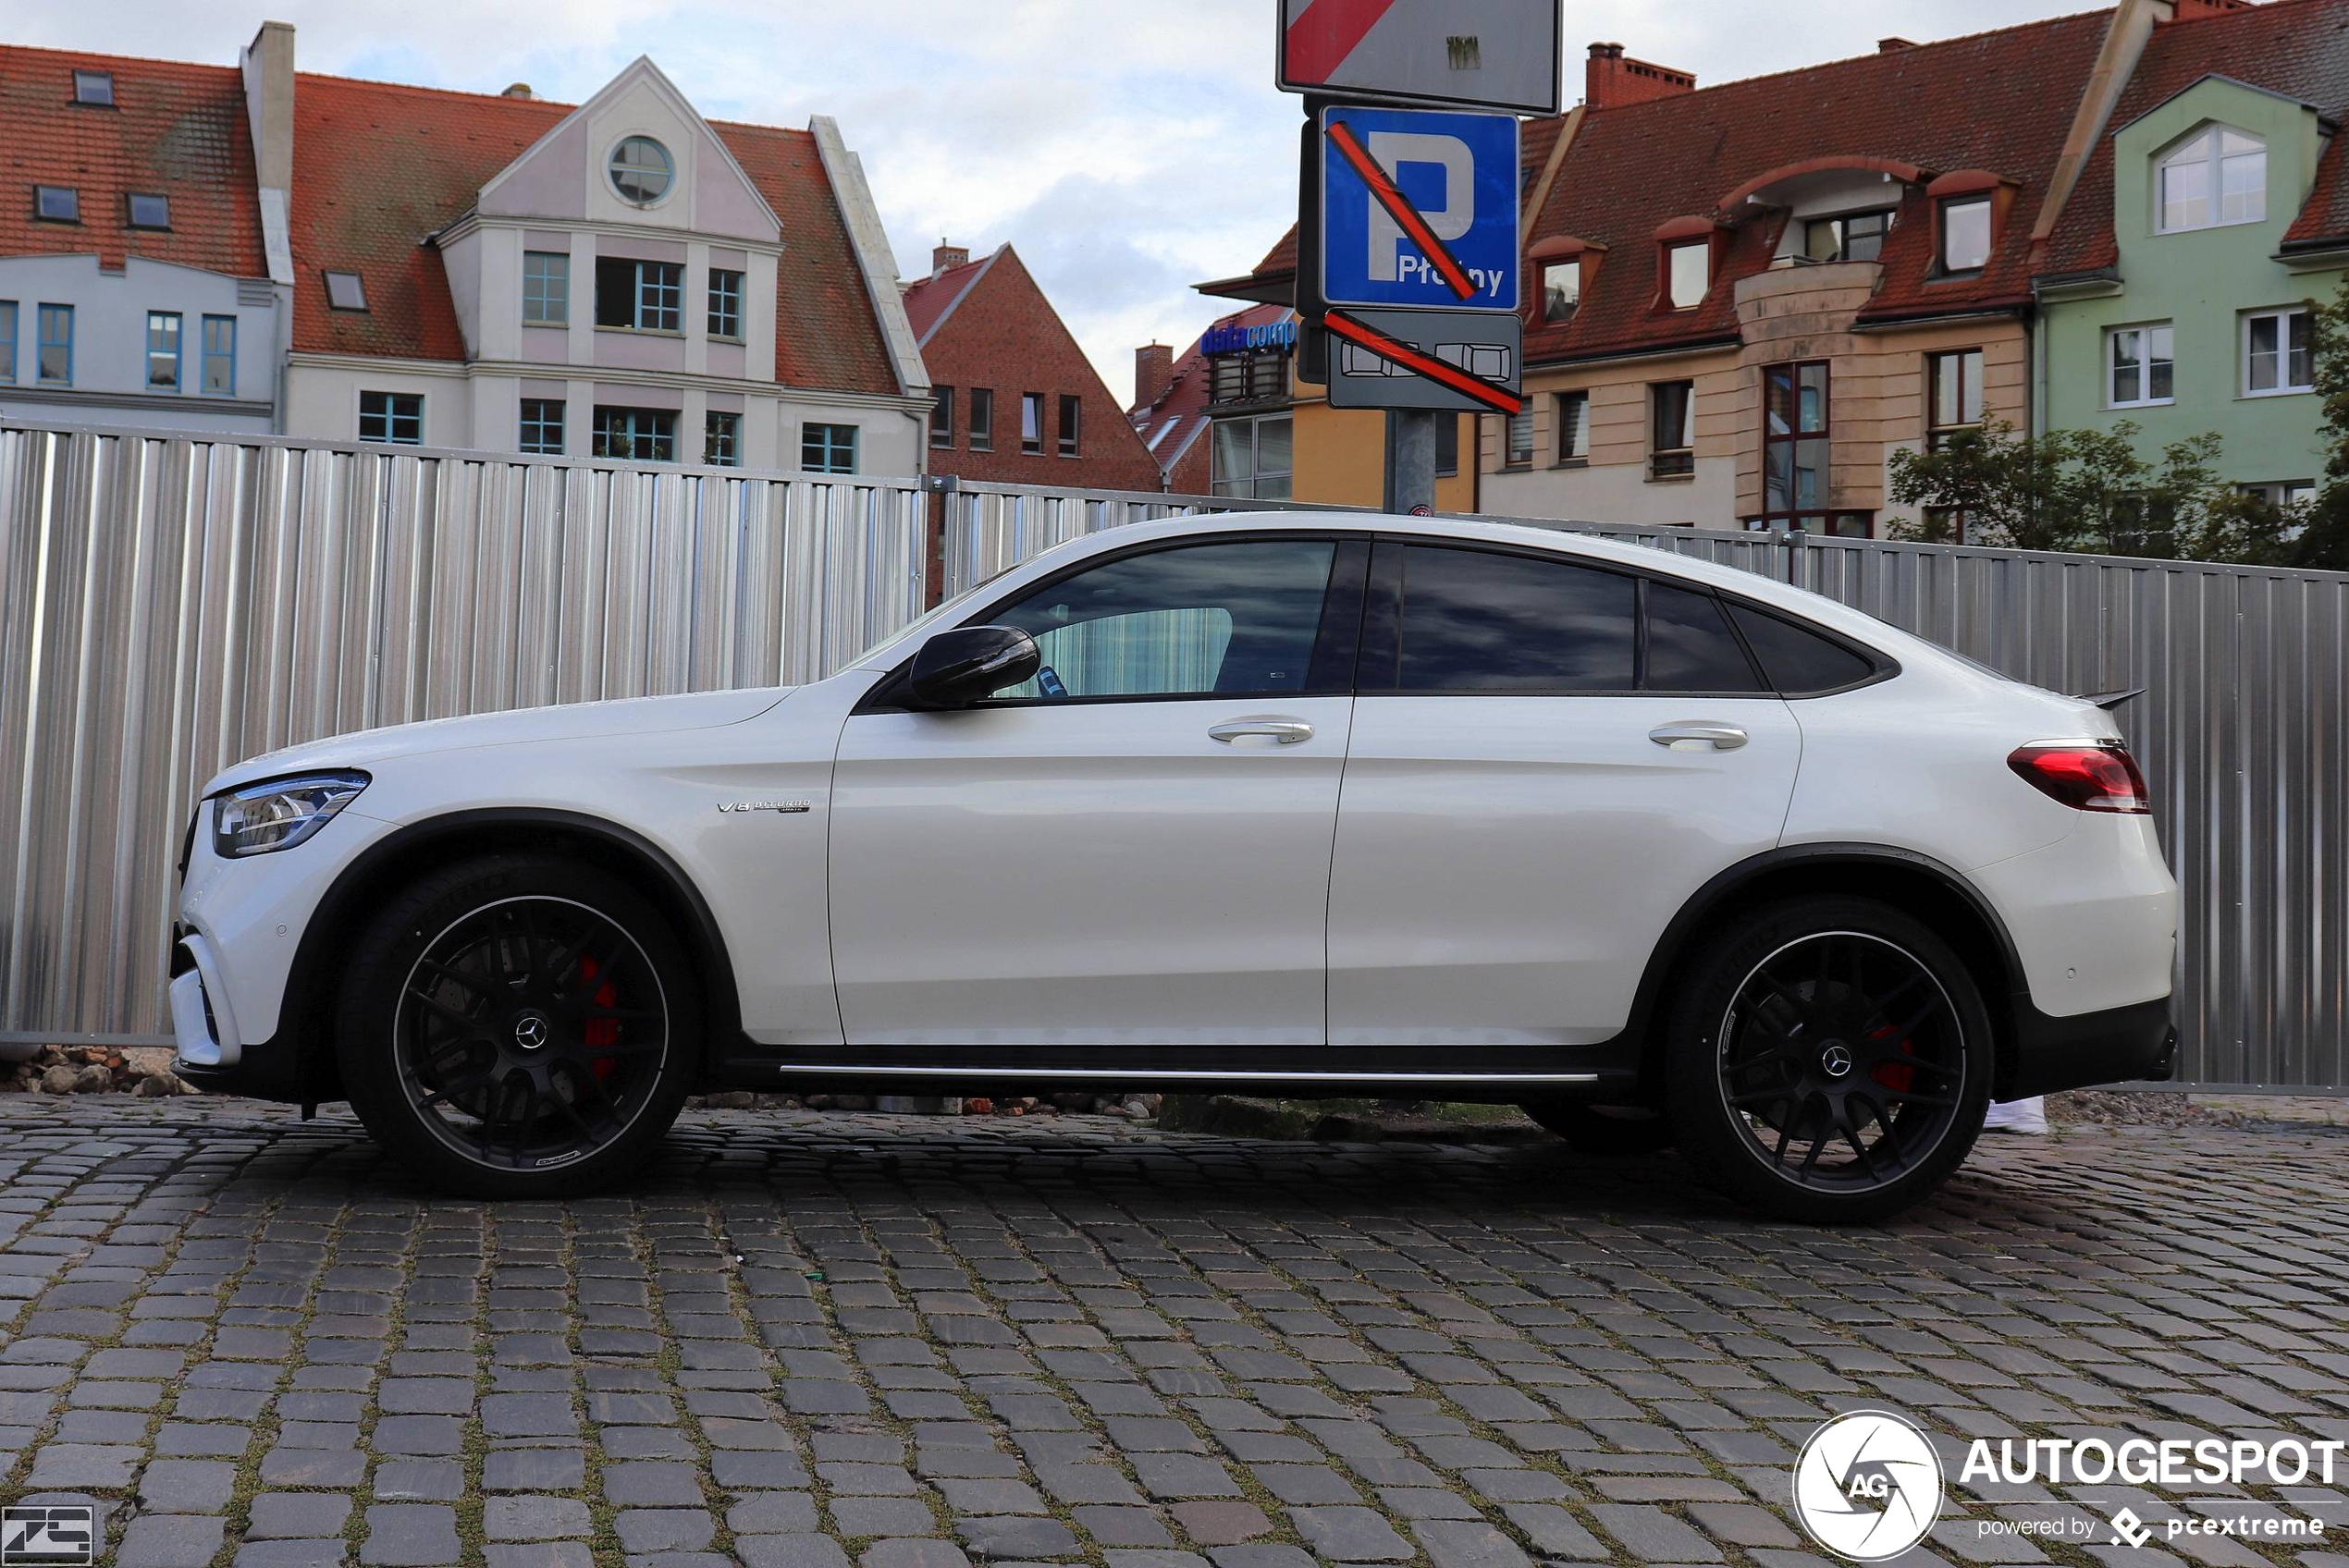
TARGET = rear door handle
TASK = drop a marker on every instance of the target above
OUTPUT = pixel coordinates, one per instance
(1699, 732)
(1286, 731)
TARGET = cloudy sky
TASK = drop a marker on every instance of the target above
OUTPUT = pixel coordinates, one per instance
(1129, 148)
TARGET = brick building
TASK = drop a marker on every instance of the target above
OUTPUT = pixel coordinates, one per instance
(1176, 400)
(1016, 399)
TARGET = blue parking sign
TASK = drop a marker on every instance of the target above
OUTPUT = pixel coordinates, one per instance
(1419, 208)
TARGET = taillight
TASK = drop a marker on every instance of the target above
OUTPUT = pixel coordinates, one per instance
(2084, 775)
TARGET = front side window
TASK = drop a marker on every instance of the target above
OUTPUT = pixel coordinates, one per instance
(2137, 365)
(1795, 444)
(57, 204)
(641, 170)
(2277, 355)
(148, 210)
(1574, 427)
(1855, 237)
(1561, 290)
(220, 356)
(1482, 622)
(942, 416)
(394, 419)
(162, 351)
(640, 296)
(982, 419)
(1688, 274)
(1226, 619)
(1252, 457)
(546, 288)
(1953, 393)
(2216, 177)
(721, 445)
(1072, 413)
(1671, 449)
(1031, 422)
(726, 304)
(1965, 234)
(55, 356)
(8, 340)
(643, 436)
(542, 426)
(828, 449)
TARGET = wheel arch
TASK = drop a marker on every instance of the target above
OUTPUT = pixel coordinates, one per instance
(402, 856)
(1913, 881)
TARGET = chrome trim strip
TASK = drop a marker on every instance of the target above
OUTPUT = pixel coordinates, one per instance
(1185, 1074)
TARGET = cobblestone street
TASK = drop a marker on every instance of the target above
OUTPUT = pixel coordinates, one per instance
(905, 1343)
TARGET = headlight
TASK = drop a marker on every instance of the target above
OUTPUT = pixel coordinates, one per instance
(279, 813)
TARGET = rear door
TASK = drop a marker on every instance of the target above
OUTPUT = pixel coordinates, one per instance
(1549, 757)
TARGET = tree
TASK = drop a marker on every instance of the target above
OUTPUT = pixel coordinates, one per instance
(2324, 539)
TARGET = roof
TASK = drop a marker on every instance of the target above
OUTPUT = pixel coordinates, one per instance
(176, 130)
(447, 145)
(2298, 49)
(930, 301)
(2000, 101)
(1177, 418)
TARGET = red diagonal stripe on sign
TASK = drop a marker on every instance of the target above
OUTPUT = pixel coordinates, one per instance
(1399, 206)
(1428, 365)
(1325, 33)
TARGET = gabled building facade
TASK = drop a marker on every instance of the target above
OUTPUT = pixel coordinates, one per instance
(1218, 419)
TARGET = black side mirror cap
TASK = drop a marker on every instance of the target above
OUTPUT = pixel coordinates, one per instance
(956, 668)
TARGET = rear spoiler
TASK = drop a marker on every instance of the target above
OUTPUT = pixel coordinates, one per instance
(2109, 700)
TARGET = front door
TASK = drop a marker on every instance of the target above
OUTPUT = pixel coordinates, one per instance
(1134, 846)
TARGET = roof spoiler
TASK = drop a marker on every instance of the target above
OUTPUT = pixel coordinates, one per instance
(2109, 700)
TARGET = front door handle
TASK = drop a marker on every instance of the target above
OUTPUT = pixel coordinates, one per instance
(1286, 731)
(1699, 732)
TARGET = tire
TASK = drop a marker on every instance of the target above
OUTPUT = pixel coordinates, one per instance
(1607, 1131)
(518, 1026)
(1828, 1060)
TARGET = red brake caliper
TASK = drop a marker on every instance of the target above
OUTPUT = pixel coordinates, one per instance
(1896, 1077)
(602, 1032)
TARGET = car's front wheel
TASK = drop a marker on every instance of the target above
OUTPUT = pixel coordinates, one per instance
(1829, 1059)
(518, 1026)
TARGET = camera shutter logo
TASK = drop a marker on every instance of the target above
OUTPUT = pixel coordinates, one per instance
(56, 1534)
(1867, 1485)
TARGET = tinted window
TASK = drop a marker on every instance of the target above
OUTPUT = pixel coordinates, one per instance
(1474, 620)
(1691, 647)
(1799, 662)
(1230, 618)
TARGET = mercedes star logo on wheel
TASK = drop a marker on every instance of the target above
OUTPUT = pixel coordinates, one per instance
(1835, 1060)
(531, 1031)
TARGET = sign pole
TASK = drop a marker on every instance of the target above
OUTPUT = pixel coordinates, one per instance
(1410, 460)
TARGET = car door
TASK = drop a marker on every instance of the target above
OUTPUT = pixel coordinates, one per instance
(1133, 848)
(1549, 756)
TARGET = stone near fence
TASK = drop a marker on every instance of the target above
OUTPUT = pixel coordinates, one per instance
(92, 1070)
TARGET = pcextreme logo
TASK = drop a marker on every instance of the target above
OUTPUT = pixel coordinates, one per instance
(1867, 1485)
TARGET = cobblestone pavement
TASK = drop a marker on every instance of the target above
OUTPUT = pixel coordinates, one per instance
(817, 1340)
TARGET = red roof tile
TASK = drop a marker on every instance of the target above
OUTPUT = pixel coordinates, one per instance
(176, 130)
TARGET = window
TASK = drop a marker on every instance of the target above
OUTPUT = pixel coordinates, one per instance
(162, 351)
(1520, 430)
(726, 304)
(1953, 393)
(721, 439)
(345, 291)
(1252, 457)
(1671, 453)
(8, 340)
(640, 296)
(546, 288)
(1688, 645)
(1574, 427)
(1479, 620)
(1965, 234)
(1246, 378)
(2216, 177)
(1798, 661)
(1947, 525)
(641, 170)
(148, 210)
(1687, 273)
(2137, 366)
(1795, 448)
(2277, 354)
(94, 88)
(982, 419)
(1447, 445)
(542, 426)
(1072, 414)
(394, 418)
(1855, 237)
(53, 357)
(942, 416)
(2283, 492)
(1225, 619)
(219, 356)
(828, 449)
(1561, 290)
(1031, 422)
(643, 436)
(57, 204)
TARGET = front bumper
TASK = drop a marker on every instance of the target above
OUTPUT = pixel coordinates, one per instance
(2133, 1044)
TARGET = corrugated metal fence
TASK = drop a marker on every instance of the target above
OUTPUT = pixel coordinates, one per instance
(172, 604)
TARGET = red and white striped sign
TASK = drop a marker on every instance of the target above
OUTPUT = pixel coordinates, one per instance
(1488, 54)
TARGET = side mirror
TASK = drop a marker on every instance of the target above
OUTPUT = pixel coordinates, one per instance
(956, 668)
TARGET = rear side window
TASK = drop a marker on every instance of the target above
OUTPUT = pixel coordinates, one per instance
(1799, 663)
(1477, 620)
(1690, 646)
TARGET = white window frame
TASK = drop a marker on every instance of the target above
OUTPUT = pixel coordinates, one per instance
(2202, 149)
(2283, 316)
(2144, 363)
(1258, 482)
(1672, 280)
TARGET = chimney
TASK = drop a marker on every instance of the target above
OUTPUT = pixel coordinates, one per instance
(1890, 46)
(1610, 80)
(518, 89)
(267, 66)
(943, 256)
(1153, 369)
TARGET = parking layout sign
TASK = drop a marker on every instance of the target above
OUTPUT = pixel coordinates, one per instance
(1418, 209)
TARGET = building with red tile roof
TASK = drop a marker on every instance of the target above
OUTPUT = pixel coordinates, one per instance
(1175, 398)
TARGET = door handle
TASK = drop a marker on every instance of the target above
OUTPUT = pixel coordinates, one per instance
(1720, 737)
(1287, 731)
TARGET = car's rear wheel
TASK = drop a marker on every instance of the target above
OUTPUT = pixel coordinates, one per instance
(1829, 1059)
(515, 1026)
(1613, 1130)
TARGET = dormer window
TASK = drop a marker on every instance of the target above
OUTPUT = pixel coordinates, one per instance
(1855, 237)
(1965, 234)
(1561, 289)
(2216, 177)
(641, 170)
(1687, 273)
(94, 88)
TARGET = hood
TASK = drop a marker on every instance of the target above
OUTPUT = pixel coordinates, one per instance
(571, 721)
